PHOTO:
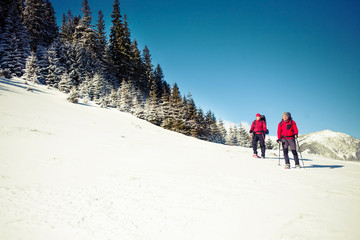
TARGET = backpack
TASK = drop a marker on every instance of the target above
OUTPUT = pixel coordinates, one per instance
(263, 119)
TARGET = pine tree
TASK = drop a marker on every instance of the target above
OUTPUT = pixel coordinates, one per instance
(152, 114)
(232, 138)
(165, 109)
(56, 60)
(99, 88)
(190, 116)
(39, 19)
(138, 107)
(119, 44)
(31, 69)
(43, 64)
(101, 35)
(176, 122)
(269, 144)
(84, 34)
(85, 90)
(86, 18)
(148, 67)
(66, 83)
(69, 23)
(137, 66)
(243, 137)
(73, 96)
(222, 132)
(14, 45)
(51, 27)
(159, 79)
(125, 97)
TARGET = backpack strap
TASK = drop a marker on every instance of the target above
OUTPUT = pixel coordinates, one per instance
(291, 123)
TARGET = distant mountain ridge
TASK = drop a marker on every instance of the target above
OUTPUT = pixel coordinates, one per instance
(331, 144)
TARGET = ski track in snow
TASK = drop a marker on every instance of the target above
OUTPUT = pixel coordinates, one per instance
(76, 171)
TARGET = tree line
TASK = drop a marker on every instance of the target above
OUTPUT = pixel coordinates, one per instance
(77, 59)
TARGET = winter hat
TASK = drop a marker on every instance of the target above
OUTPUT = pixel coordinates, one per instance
(258, 115)
(287, 114)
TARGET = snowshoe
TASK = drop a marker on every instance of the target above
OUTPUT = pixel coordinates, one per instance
(297, 166)
(256, 156)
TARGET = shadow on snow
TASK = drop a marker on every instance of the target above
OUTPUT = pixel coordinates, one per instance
(324, 166)
(9, 82)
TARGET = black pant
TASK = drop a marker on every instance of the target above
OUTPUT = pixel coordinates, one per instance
(256, 138)
(286, 143)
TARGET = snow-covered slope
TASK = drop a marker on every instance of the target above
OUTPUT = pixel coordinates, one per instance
(75, 171)
(331, 144)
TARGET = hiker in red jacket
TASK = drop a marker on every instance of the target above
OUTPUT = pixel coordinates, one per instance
(287, 133)
(258, 128)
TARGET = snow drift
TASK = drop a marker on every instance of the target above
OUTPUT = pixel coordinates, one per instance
(77, 171)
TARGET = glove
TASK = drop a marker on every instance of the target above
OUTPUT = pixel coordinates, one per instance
(278, 141)
(296, 136)
(251, 131)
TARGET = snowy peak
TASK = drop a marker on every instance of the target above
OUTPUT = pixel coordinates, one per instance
(331, 144)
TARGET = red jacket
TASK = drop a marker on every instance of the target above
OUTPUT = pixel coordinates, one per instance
(287, 129)
(258, 126)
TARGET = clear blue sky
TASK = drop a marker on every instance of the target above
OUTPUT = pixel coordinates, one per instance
(241, 57)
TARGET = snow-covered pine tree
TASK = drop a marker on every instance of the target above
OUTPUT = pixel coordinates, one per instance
(269, 144)
(119, 44)
(201, 125)
(31, 69)
(39, 19)
(56, 61)
(98, 86)
(190, 116)
(138, 107)
(212, 131)
(66, 83)
(125, 97)
(243, 137)
(222, 132)
(42, 63)
(165, 108)
(78, 63)
(113, 99)
(73, 95)
(232, 138)
(84, 33)
(176, 121)
(151, 107)
(51, 27)
(14, 44)
(85, 90)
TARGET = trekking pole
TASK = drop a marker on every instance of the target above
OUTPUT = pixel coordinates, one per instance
(300, 152)
(279, 155)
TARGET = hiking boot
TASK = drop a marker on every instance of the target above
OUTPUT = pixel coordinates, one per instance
(262, 157)
(297, 166)
(287, 166)
(256, 156)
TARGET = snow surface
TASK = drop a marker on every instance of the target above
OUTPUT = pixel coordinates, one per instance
(77, 171)
(331, 144)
